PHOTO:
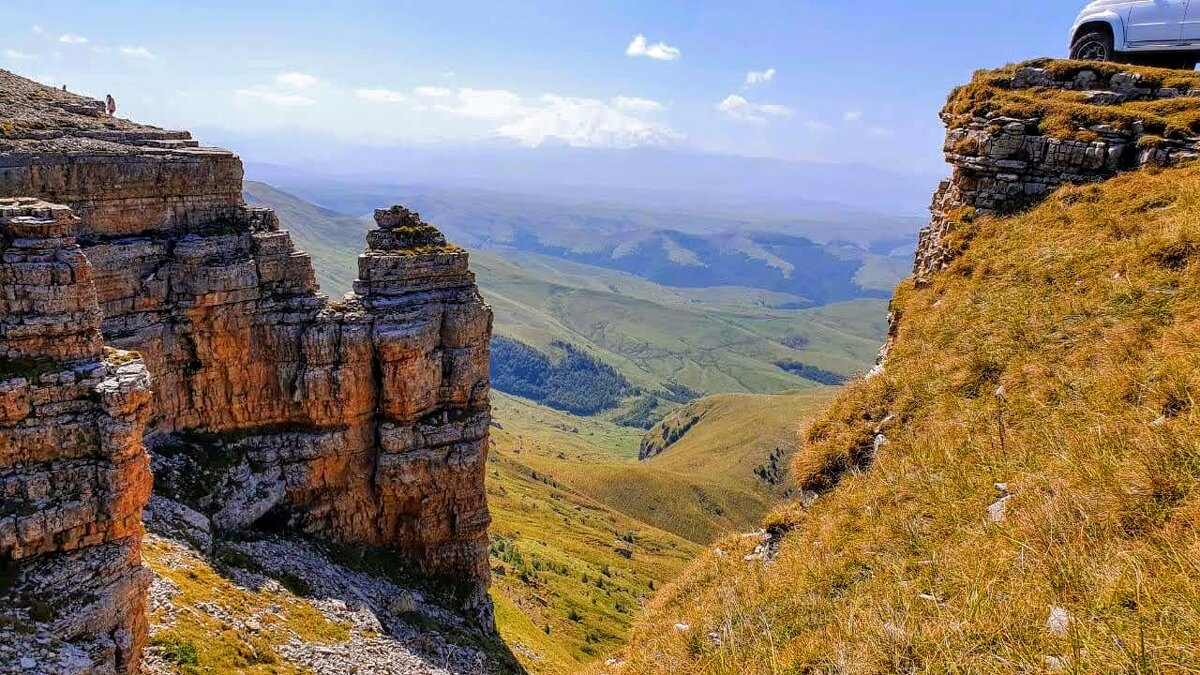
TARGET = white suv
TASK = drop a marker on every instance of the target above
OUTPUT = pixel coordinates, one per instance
(1151, 32)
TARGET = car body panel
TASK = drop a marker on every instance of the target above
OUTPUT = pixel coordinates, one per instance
(1154, 22)
(1191, 24)
(1184, 36)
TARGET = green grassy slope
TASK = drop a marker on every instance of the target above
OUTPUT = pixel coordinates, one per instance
(732, 436)
(706, 489)
(559, 565)
(654, 335)
(565, 593)
(334, 240)
(568, 497)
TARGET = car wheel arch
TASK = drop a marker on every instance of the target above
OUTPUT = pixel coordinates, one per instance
(1106, 23)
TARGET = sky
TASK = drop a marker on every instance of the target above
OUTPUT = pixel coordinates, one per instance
(841, 82)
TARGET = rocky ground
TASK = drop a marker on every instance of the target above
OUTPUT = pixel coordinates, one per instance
(275, 604)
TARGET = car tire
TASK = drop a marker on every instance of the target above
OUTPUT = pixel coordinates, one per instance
(1093, 47)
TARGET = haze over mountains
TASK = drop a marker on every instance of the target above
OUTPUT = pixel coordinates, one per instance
(648, 177)
(651, 212)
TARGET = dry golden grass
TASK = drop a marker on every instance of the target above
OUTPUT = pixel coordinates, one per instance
(1065, 115)
(1086, 311)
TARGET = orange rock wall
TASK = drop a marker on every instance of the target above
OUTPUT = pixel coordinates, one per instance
(74, 475)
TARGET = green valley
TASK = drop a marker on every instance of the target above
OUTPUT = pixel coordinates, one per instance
(584, 533)
(588, 523)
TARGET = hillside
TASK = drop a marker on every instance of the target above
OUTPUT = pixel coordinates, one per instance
(571, 573)
(743, 438)
(1018, 488)
(656, 336)
(699, 493)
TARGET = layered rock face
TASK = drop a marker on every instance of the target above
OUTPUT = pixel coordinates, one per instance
(1003, 163)
(74, 475)
(361, 422)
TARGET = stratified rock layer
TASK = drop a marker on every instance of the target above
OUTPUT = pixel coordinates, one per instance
(74, 475)
(1002, 164)
(362, 422)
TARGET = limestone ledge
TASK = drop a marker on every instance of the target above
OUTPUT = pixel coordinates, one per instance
(1004, 164)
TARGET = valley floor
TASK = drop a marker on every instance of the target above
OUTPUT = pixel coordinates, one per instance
(584, 534)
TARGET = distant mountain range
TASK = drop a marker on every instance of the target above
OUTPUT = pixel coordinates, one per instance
(668, 179)
(816, 261)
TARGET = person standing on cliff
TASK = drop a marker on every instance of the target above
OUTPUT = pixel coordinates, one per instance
(111, 105)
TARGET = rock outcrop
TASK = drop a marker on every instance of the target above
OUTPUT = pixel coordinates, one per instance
(360, 422)
(667, 432)
(1017, 134)
(74, 475)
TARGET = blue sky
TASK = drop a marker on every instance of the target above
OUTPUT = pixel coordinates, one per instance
(835, 81)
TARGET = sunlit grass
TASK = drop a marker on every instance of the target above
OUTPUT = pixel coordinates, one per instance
(1065, 114)
(1084, 315)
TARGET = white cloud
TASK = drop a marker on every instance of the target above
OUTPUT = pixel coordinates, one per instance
(584, 122)
(37, 29)
(379, 95)
(738, 108)
(274, 98)
(760, 76)
(578, 121)
(634, 104)
(658, 52)
(487, 104)
(296, 80)
(137, 52)
(18, 56)
(852, 116)
(773, 110)
(818, 127)
(433, 92)
(72, 39)
(879, 131)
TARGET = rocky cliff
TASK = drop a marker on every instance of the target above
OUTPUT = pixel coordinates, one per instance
(73, 473)
(359, 422)
(1017, 134)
